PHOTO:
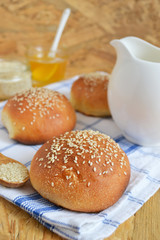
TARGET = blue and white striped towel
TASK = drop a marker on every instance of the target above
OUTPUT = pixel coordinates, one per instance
(145, 181)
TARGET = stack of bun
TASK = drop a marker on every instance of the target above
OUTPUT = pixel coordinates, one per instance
(84, 171)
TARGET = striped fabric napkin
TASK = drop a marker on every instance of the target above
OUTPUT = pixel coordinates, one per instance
(145, 181)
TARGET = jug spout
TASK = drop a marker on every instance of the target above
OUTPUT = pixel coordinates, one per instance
(137, 49)
(121, 48)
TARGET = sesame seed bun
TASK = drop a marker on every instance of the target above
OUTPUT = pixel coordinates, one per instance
(83, 171)
(36, 115)
(89, 94)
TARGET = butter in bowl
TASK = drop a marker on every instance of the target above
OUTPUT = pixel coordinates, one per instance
(15, 77)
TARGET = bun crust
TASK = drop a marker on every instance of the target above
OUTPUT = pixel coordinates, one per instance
(38, 114)
(89, 94)
(83, 171)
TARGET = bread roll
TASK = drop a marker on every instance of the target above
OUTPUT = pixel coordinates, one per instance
(83, 171)
(89, 94)
(38, 114)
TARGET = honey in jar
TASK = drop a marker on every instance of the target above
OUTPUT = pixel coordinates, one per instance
(47, 67)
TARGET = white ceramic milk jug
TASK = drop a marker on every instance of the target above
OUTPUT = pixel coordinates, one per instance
(134, 90)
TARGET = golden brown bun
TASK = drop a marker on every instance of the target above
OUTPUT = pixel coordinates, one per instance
(38, 114)
(89, 94)
(81, 170)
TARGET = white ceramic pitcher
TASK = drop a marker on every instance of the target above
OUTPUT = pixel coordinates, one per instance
(134, 90)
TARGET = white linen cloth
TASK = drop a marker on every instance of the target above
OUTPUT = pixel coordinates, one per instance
(144, 182)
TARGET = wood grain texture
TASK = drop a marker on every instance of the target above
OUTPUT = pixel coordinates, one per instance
(91, 26)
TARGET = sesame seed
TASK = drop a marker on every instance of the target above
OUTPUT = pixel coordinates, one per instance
(71, 148)
(39, 101)
(41, 159)
(88, 184)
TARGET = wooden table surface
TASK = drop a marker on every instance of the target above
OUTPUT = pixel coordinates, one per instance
(90, 28)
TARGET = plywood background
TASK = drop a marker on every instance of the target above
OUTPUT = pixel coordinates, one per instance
(91, 26)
